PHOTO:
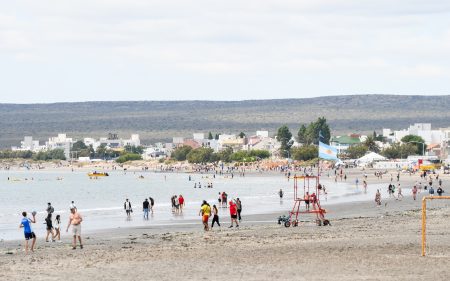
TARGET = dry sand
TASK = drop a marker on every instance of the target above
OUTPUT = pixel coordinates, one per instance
(382, 245)
(364, 243)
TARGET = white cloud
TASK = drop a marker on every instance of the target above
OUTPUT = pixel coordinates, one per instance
(273, 39)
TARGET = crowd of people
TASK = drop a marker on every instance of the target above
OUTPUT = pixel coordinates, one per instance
(235, 208)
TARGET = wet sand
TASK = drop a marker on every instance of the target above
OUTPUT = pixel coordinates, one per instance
(364, 242)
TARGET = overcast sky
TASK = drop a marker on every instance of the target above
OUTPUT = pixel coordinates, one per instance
(53, 51)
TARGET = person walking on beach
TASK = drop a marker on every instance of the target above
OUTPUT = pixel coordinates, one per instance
(145, 206)
(414, 192)
(239, 208)
(28, 231)
(399, 192)
(127, 208)
(378, 198)
(224, 199)
(215, 213)
(50, 209)
(439, 191)
(181, 202)
(152, 203)
(58, 228)
(176, 204)
(280, 193)
(233, 214)
(72, 205)
(49, 224)
(205, 212)
(75, 220)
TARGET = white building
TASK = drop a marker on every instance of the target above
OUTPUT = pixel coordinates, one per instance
(199, 136)
(262, 134)
(29, 144)
(423, 130)
(60, 142)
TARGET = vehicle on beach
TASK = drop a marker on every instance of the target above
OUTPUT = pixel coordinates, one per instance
(95, 174)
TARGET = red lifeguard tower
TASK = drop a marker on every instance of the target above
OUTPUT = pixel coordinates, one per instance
(307, 202)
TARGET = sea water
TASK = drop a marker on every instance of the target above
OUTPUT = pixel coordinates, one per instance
(101, 201)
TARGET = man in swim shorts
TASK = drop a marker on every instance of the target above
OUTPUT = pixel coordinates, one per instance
(75, 220)
(28, 231)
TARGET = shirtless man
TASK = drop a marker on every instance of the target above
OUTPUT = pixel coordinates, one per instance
(75, 220)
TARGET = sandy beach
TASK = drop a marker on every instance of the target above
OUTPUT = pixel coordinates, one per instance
(363, 243)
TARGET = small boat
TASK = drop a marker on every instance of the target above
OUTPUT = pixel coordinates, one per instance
(95, 174)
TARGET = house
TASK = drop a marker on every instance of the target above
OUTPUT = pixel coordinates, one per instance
(342, 143)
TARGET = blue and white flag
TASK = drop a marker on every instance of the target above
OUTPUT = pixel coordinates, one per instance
(327, 152)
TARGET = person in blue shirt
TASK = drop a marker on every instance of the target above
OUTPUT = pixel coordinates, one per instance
(28, 231)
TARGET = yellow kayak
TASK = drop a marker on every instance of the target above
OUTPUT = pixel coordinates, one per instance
(98, 174)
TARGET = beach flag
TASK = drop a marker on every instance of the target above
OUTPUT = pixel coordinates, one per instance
(327, 152)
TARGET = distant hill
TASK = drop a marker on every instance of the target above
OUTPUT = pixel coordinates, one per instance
(160, 120)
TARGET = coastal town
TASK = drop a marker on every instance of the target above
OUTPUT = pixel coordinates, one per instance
(377, 150)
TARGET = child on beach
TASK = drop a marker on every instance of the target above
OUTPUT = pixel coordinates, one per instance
(28, 231)
(58, 228)
(378, 198)
(48, 222)
(414, 192)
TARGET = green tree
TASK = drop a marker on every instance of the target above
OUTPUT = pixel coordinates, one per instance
(210, 136)
(284, 137)
(216, 137)
(242, 135)
(371, 144)
(55, 154)
(128, 157)
(181, 152)
(225, 155)
(418, 141)
(356, 151)
(201, 155)
(398, 150)
(305, 153)
(100, 151)
(301, 135)
(78, 145)
(310, 134)
(259, 153)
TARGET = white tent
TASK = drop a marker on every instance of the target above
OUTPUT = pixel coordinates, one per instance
(370, 157)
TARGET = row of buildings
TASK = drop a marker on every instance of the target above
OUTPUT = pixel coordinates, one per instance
(436, 140)
(61, 141)
(261, 140)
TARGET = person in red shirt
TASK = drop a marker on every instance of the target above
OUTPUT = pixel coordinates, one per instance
(181, 202)
(233, 214)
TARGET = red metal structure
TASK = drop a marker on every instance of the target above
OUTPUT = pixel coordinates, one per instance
(307, 201)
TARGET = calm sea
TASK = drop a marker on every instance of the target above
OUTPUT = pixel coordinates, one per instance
(101, 201)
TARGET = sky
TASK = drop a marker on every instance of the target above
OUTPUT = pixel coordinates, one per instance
(111, 50)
